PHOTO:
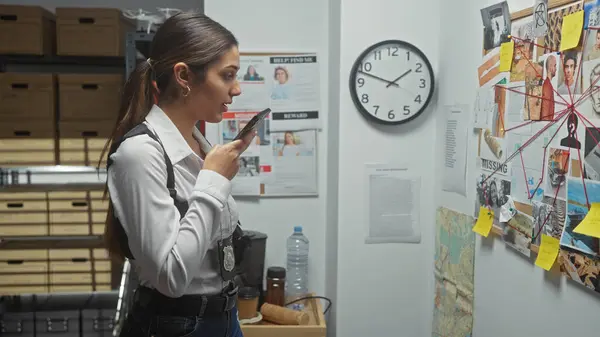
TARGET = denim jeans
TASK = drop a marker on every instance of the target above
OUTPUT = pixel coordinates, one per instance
(142, 324)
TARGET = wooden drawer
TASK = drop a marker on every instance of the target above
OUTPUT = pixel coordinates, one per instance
(27, 30)
(24, 254)
(23, 230)
(71, 266)
(69, 254)
(100, 254)
(87, 129)
(27, 129)
(26, 151)
(33, 279)
(27, 97)
(14, 218)
(74, 278)
(23, 267)
(23, 206)
(82, 151)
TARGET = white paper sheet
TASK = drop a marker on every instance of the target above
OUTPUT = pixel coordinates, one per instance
(393, 199)
(455, 149)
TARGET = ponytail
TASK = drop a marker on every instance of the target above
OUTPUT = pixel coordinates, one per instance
(136, 102)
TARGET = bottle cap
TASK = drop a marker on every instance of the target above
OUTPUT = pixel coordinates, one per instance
(297, 229)
(276, 272)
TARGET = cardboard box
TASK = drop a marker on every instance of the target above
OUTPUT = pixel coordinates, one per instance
(316, 327)
(27, 129)
(92, 31)
(89, 97)
(27, 30)
(27, 97)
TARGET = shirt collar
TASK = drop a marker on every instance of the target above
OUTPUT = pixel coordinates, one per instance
(172, 140)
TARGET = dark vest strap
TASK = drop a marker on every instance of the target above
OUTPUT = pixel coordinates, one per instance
(182, 206)
(239, 241)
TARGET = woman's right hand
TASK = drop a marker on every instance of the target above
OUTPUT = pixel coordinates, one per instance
(224, 159)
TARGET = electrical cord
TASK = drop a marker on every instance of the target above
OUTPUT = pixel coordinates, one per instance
(313, 297)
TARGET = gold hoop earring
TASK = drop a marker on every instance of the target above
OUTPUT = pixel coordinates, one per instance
(188, 91)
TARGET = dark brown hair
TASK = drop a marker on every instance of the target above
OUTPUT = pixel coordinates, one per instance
(188, 37)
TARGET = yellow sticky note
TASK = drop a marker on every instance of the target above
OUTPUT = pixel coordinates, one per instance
(548, 252)
(506, 55)
(590, 225)
(572, 27)
(484, 223)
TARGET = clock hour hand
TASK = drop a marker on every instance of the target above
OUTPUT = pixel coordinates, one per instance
(379, 78)
(398, 79)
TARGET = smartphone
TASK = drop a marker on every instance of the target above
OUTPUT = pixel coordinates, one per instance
(254, 124)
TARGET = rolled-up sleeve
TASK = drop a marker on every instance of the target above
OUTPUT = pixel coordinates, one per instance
(170, 247)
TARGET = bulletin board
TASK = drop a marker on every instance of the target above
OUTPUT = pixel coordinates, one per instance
(283, 159)
(537, 111)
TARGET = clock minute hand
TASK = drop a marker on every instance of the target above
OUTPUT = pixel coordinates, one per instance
(379, 78)
(398, 79)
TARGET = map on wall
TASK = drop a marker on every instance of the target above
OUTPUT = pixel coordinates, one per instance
(454, 269)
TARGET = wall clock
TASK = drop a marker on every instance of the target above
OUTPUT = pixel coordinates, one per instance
(391, 82)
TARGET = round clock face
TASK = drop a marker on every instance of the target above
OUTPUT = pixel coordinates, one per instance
(391, 82)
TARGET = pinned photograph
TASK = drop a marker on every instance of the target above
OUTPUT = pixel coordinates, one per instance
(492, 193)
(590, 77)
(591, 159)
(556, 173)
(523, 53)
(533, 90)
(568, 82)
(577, 209)
(540, 17)
(496, 25)
(549, 85)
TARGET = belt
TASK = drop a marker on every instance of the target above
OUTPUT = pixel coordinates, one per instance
(186, 305)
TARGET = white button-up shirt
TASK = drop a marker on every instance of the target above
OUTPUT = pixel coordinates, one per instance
(170, 251)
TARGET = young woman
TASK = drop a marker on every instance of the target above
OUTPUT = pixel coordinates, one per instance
(171, 212)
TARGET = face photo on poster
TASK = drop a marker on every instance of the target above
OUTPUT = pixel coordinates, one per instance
(497, 25)
(292, 144)
(253, 78)
(590, 77)
(576, 211)
(591, 154)
(491, 192)
(523, 52)
(549, 84)
(557, 170)
(249, 166)
(591, 49)
(294, 92)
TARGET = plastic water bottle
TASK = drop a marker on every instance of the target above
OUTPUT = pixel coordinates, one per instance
(297, 268)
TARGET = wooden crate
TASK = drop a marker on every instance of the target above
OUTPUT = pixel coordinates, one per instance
(27, 152)
(82, 151)
(27, 97)
(27, 30)
(315, 328)
(23, 214)
(29, 266)
(92, 31)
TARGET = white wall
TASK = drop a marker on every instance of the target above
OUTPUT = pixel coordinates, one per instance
(384, 290)
(512, 296)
